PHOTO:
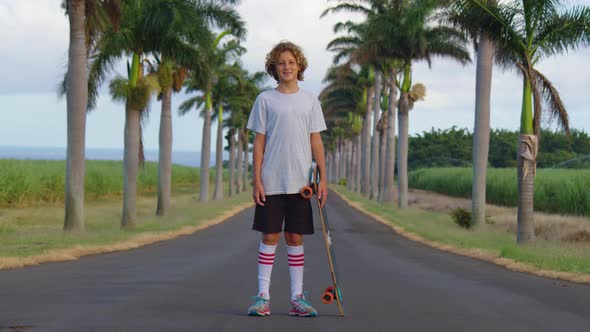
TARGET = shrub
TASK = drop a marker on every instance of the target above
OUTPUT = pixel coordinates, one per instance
(461, 217)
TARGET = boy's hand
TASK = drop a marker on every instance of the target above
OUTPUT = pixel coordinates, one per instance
(323, 193)
(258, 193)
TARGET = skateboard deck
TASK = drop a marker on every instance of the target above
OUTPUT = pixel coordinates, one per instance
(332, 292)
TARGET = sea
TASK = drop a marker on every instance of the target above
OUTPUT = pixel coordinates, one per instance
(185, 158)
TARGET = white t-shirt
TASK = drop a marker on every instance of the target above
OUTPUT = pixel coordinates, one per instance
(287, 120)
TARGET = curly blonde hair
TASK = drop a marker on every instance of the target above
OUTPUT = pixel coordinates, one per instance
(273, 56)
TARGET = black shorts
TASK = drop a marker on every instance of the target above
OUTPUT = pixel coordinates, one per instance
(292, 208)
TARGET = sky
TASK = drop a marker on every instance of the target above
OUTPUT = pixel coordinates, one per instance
(33, 59)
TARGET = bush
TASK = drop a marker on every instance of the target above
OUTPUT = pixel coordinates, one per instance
(342, 182)
(461, 217)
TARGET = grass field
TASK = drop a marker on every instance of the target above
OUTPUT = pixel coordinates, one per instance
(562, 191)
(490, 242)
(35, 182)
(31, 218)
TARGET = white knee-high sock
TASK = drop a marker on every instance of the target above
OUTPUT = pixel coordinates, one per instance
(266, 258)
(296, 261)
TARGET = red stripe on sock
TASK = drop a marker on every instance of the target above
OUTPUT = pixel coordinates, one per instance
(296, 260)
(267, 255)
(295, 256)
(265, 263)
(265, 259)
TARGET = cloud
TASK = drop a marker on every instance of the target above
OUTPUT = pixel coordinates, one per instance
(34, 36)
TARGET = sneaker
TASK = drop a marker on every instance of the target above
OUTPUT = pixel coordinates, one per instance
(301, 307)
(261, 306)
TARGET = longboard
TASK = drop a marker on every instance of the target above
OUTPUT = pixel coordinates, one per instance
(332, 292)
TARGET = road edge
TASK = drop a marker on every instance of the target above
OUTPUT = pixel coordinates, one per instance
(472, 253)
(78, 251)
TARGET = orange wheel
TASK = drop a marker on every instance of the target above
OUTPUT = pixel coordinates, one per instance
(306, 192)
(328, 297)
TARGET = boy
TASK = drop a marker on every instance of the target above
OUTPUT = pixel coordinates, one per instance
(287, 121)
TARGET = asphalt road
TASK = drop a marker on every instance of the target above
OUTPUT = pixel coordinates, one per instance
(203, 282)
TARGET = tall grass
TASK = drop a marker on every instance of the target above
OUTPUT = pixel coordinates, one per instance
(562, 191)
(30, 182)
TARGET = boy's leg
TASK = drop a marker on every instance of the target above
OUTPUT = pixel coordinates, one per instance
(268, 220)
(298, 221)
(296, 262)
(266, 257)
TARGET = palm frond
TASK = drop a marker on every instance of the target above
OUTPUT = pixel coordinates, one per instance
(119, 89)
(224, 17)
(188, 105)
(346, 8)
(552, 100)
(561, 32)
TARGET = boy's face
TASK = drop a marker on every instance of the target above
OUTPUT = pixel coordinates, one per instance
(287, 67)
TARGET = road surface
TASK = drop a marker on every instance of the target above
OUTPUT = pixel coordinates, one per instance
(203, 282)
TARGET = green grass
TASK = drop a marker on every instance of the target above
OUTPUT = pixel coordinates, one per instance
(438, 227)
(560, 191)
(32, 231)
(33, 182)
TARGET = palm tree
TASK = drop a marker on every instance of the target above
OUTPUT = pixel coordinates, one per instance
(239, 101)
(135, 92)
(374, 194)
(170, 78)
(526, 32)
(216, 60)
(353, 47)
(192, 21)
(147, 28)
(87, 19)
(342, 101)
(389, 168)
(413, 36)
(225, 89)
(471, 22)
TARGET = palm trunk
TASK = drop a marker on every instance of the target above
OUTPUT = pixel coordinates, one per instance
(366, 149)
(357, 169)
(383, 147)
(232, 161)
(239, 166)
(389, 195)
(481, 131)
(402, 161)
(527, 162)
(218, 195)
(77, 98)
(338, 156)
(246, 160)
(353, 163)
(374, 192)
(333, 164)
(165, 155)
(329, 167)
(342, 159)
(349, 169)
(206, 150)
(131, 166)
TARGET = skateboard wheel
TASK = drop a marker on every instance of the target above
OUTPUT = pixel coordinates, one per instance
(306, 192)
(328, 297)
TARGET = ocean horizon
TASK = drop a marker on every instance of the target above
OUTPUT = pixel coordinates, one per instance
(185, 158)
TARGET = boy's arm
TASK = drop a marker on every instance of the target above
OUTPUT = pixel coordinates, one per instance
(317, 150)
(258, 153)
